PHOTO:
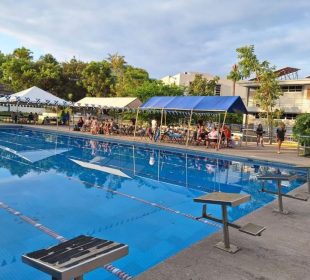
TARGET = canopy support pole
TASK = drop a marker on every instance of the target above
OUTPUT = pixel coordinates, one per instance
(189, 124)
(57, 116)
(220, 138)
(136, 123)
(246, 128)
(17, 118)
(161, 123)
(165, 118)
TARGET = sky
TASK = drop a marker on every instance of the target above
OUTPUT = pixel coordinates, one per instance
(164, 37)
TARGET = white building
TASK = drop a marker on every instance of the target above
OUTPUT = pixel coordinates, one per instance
(296, 92)
(224, 86)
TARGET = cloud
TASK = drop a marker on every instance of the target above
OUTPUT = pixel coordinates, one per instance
(163, 36)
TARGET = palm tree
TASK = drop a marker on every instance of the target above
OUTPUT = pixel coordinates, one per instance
(235, 76)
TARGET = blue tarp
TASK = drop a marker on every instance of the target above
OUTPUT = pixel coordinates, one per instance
(230, 104)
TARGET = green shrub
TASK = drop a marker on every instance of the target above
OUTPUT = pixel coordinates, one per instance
(302, 128)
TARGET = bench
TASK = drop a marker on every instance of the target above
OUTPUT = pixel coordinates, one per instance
(75, 257)
(227, 199)
(279, 178)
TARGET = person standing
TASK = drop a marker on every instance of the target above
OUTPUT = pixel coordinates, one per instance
(259, 135)
(280, 135)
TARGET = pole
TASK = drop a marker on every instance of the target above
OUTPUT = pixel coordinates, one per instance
(136, 123)
(189, 124)
(134, 160)
(161, 123)
(246, 127)
(225, 227)
(57, 116)
(17, 112)
(219, 140)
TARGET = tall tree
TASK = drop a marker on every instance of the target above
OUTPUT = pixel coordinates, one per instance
(97, 79)
(131, 80)
(48, 74)
(235, 76)
(157, 88)
(71, 80)
(268, 90)
(18, 71)
(202, 86)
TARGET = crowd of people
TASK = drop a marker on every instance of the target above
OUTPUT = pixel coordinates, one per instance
(107, 126)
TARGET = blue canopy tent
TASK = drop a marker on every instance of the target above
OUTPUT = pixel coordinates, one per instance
(195, 104)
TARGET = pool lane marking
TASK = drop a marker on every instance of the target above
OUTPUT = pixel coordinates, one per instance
(109, 267)
(153, 204)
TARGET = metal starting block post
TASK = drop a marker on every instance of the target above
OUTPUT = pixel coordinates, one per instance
(75, 257)
(279, 178)
(227, 199)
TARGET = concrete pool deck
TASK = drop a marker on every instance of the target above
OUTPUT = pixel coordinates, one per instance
(282, 252)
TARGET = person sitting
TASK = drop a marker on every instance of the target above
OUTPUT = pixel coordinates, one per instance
(46, 120)
(36, 118)
(30, 118)
(94, 127)
(227, 135)
(212, 137)
(87, 124)
(80, 123)
(201, 135)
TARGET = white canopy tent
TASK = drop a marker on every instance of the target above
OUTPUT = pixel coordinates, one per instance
(109, 102)
(34, 95)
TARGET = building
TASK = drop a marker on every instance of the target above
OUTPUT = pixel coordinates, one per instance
(296, 93)
(224, 86)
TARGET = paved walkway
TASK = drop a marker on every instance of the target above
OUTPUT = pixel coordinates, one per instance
(281, 253)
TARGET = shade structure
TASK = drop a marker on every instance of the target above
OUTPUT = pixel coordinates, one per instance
(34, 95)
(109, 102)
(212, 104)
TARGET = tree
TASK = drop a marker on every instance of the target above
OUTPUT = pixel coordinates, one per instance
(235, 76)
(202, 86)
(71, 85)
(48, 73)
(268, 90)
(18, 71)
(157, 88)
(118, 63)
(301, 130)
(23, 53)
(131, 80)
(97, 79)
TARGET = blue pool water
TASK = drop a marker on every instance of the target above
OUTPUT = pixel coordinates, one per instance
(142, 196)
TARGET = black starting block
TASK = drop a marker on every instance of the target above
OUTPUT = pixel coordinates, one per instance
(227, 199)
(75, 257)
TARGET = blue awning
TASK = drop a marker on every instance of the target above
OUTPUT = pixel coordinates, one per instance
(213, 104)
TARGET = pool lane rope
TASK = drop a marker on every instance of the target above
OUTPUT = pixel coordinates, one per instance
(109, 267)
(153, 204)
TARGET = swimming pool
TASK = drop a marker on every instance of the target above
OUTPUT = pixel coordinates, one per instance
(55, 186)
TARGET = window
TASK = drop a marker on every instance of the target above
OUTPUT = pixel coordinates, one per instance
(291, 88)
(217, 90)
